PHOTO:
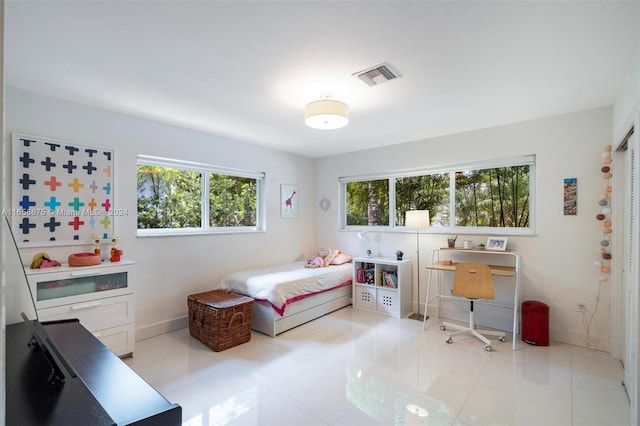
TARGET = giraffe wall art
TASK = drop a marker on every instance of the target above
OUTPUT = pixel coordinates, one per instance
(289, 200)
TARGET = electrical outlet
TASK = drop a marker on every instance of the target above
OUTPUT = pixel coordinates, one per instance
(580, 307)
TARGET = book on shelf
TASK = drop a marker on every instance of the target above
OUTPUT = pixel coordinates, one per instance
(389, 279)
(365, 276)
(369, 276)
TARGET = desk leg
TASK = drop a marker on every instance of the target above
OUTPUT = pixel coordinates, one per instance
(515, 326)
(516, 307)
(426, 302)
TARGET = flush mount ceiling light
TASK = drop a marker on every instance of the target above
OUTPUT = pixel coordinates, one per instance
(326, 114)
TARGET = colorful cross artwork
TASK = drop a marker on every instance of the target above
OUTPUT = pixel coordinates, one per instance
(62, 192)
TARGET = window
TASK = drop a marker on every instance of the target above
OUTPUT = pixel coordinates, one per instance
(168, 198)
(233, 201)
(497, 197)
(426, 192)
(489, 196)
(368, 203)
(176, 197)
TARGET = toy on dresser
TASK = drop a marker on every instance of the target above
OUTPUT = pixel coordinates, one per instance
(42, 260)
(115, 252)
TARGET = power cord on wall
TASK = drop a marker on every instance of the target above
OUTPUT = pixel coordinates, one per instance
(590, 341)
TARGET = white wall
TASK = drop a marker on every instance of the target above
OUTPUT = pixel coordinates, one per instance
(626, 103)
(558, 262)
(168, 269)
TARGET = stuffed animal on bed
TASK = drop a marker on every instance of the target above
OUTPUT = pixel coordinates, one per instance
(315, 262)
(323, 258)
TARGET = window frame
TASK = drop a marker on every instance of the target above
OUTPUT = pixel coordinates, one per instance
(529, 160)
(206, 170)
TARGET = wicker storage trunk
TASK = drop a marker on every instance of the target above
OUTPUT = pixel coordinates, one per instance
(220, 319)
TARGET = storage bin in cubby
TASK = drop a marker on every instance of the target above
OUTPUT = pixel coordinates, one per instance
(365, 297)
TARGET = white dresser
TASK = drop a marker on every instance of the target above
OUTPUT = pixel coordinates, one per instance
(101, 297)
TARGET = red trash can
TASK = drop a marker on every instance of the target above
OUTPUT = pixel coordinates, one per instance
(535, 323)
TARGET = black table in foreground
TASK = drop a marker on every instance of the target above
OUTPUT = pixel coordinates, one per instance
(105, 390)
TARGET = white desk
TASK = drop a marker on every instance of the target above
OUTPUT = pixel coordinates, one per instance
(500, 271)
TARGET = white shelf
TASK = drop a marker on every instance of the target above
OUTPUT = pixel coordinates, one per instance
(382, 285)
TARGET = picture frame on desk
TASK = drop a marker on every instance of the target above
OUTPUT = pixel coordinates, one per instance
(497, 243)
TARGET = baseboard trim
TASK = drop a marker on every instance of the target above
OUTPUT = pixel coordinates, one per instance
(163, 327)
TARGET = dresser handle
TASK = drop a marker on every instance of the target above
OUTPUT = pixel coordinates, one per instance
(81, 273)
(85, 306)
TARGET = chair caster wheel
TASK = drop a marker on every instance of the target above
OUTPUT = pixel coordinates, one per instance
(449, 340)
(443, 328)
(503, 339)
(488, 348)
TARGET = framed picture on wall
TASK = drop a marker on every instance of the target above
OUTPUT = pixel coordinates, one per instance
(570, 196)
(497, 243)
(63, 192)
(289, 200)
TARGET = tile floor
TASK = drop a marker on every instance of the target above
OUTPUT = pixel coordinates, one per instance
(358, 368)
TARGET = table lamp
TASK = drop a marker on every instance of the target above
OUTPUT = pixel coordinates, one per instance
(363, 236)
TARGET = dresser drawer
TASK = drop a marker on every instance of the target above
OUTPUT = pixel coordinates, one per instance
(94, 315)
(121, 340)
(65, 285)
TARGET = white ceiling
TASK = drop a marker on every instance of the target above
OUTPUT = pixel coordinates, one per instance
(245, 70)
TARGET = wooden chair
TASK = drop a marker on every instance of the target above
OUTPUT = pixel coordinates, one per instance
(473, 281)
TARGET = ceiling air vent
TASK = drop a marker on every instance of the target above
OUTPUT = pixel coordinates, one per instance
(378, 74)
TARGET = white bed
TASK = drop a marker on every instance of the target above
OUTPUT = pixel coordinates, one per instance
(289, 295)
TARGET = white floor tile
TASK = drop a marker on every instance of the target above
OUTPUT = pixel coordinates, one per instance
(605, 404)
(271, 409)
(596, 367)
(359, 368)
(487, 406)
(526, 382)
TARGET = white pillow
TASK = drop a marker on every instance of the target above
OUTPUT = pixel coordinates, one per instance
(341, 258)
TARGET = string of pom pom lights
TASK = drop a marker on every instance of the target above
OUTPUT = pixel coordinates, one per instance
(604, 263)
(605, 217)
